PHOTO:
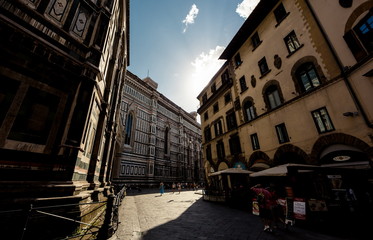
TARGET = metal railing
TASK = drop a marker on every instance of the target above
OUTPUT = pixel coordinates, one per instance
(65, 221)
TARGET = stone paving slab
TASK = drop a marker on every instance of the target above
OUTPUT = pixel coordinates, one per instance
(148, 216)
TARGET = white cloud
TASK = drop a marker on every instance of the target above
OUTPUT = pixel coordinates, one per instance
(205, 67)
(245, 8)
(189, 19)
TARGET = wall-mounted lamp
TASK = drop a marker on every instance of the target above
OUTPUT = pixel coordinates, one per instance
(350, 114)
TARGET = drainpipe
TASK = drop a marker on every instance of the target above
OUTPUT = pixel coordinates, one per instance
(341, 68)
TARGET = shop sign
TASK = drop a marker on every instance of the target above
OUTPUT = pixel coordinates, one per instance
(299, 208)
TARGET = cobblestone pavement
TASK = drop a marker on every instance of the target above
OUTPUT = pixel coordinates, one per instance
(148, 216)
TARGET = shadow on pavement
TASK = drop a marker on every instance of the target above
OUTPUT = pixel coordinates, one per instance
(206, 220)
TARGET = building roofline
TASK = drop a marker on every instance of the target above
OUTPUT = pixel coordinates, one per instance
(260, 12)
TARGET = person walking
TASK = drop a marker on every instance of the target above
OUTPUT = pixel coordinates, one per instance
(161, 188)
(179, 187)
(173, 188)
(265, 202)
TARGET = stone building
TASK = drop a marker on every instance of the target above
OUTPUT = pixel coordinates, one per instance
(60, 87)
(296, 87)
(161, 142)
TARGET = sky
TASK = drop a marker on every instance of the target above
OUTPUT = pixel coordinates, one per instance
(177, 43)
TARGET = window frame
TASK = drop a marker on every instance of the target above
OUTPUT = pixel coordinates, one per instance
(213, 88)
(354, 41)
(252, 115)
(280, 13)
(255, 40)
(204, 98)
(225, 76)
(226, 98)
(294, 42)
(282, 133)
(254, 141)
(269, 92)
(216, 107)
(208, 153)
(243, 84)
(324, 121)
(263, 63)
(237, 60)
(207, 134)
(231, 120)
(305, 69)
(128, 129)
(206, 115)
(218, 128)
(220, 151)
(235, 144)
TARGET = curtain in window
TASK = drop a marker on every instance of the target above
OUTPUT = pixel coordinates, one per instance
(273, 97)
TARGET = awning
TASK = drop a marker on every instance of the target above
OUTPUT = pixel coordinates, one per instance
(231, 171)
(259, 166)
(282, 170)
(350, 165)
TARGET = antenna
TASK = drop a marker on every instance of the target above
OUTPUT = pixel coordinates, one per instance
(148, 73)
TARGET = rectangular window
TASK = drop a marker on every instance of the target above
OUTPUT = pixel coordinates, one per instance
(206, 115)
(255, 40)
(237, 60)
(255, 141)
(208, 152)
(213, 88)
(227, 97)
(231, 121)
(225, 77)
(282, 134)
(207, 134)
(218, 128)
(292, 42)
(280, 13)
(243, 84)
(263, 67)
(220, 150)
(322, 120)
(204, 98)
(216, 107)
(235, 145)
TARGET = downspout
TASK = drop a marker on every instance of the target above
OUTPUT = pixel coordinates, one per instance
(340, 66)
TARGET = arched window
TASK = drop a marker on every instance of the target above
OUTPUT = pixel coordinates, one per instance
(359, 38)
(127, 136)
(307, 77)
(249, 111)
(272, 96)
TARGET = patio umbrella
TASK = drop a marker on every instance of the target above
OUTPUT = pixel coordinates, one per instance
(282, 170)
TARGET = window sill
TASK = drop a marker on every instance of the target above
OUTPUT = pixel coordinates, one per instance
(238, 65)
(244, 90)
(282, 19)
(296, 50)
(265, 73)
(255, 47)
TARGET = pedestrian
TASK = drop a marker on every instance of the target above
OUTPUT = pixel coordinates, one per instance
(161, 188)
(265, 202)
(179, 187)
(173, 188)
